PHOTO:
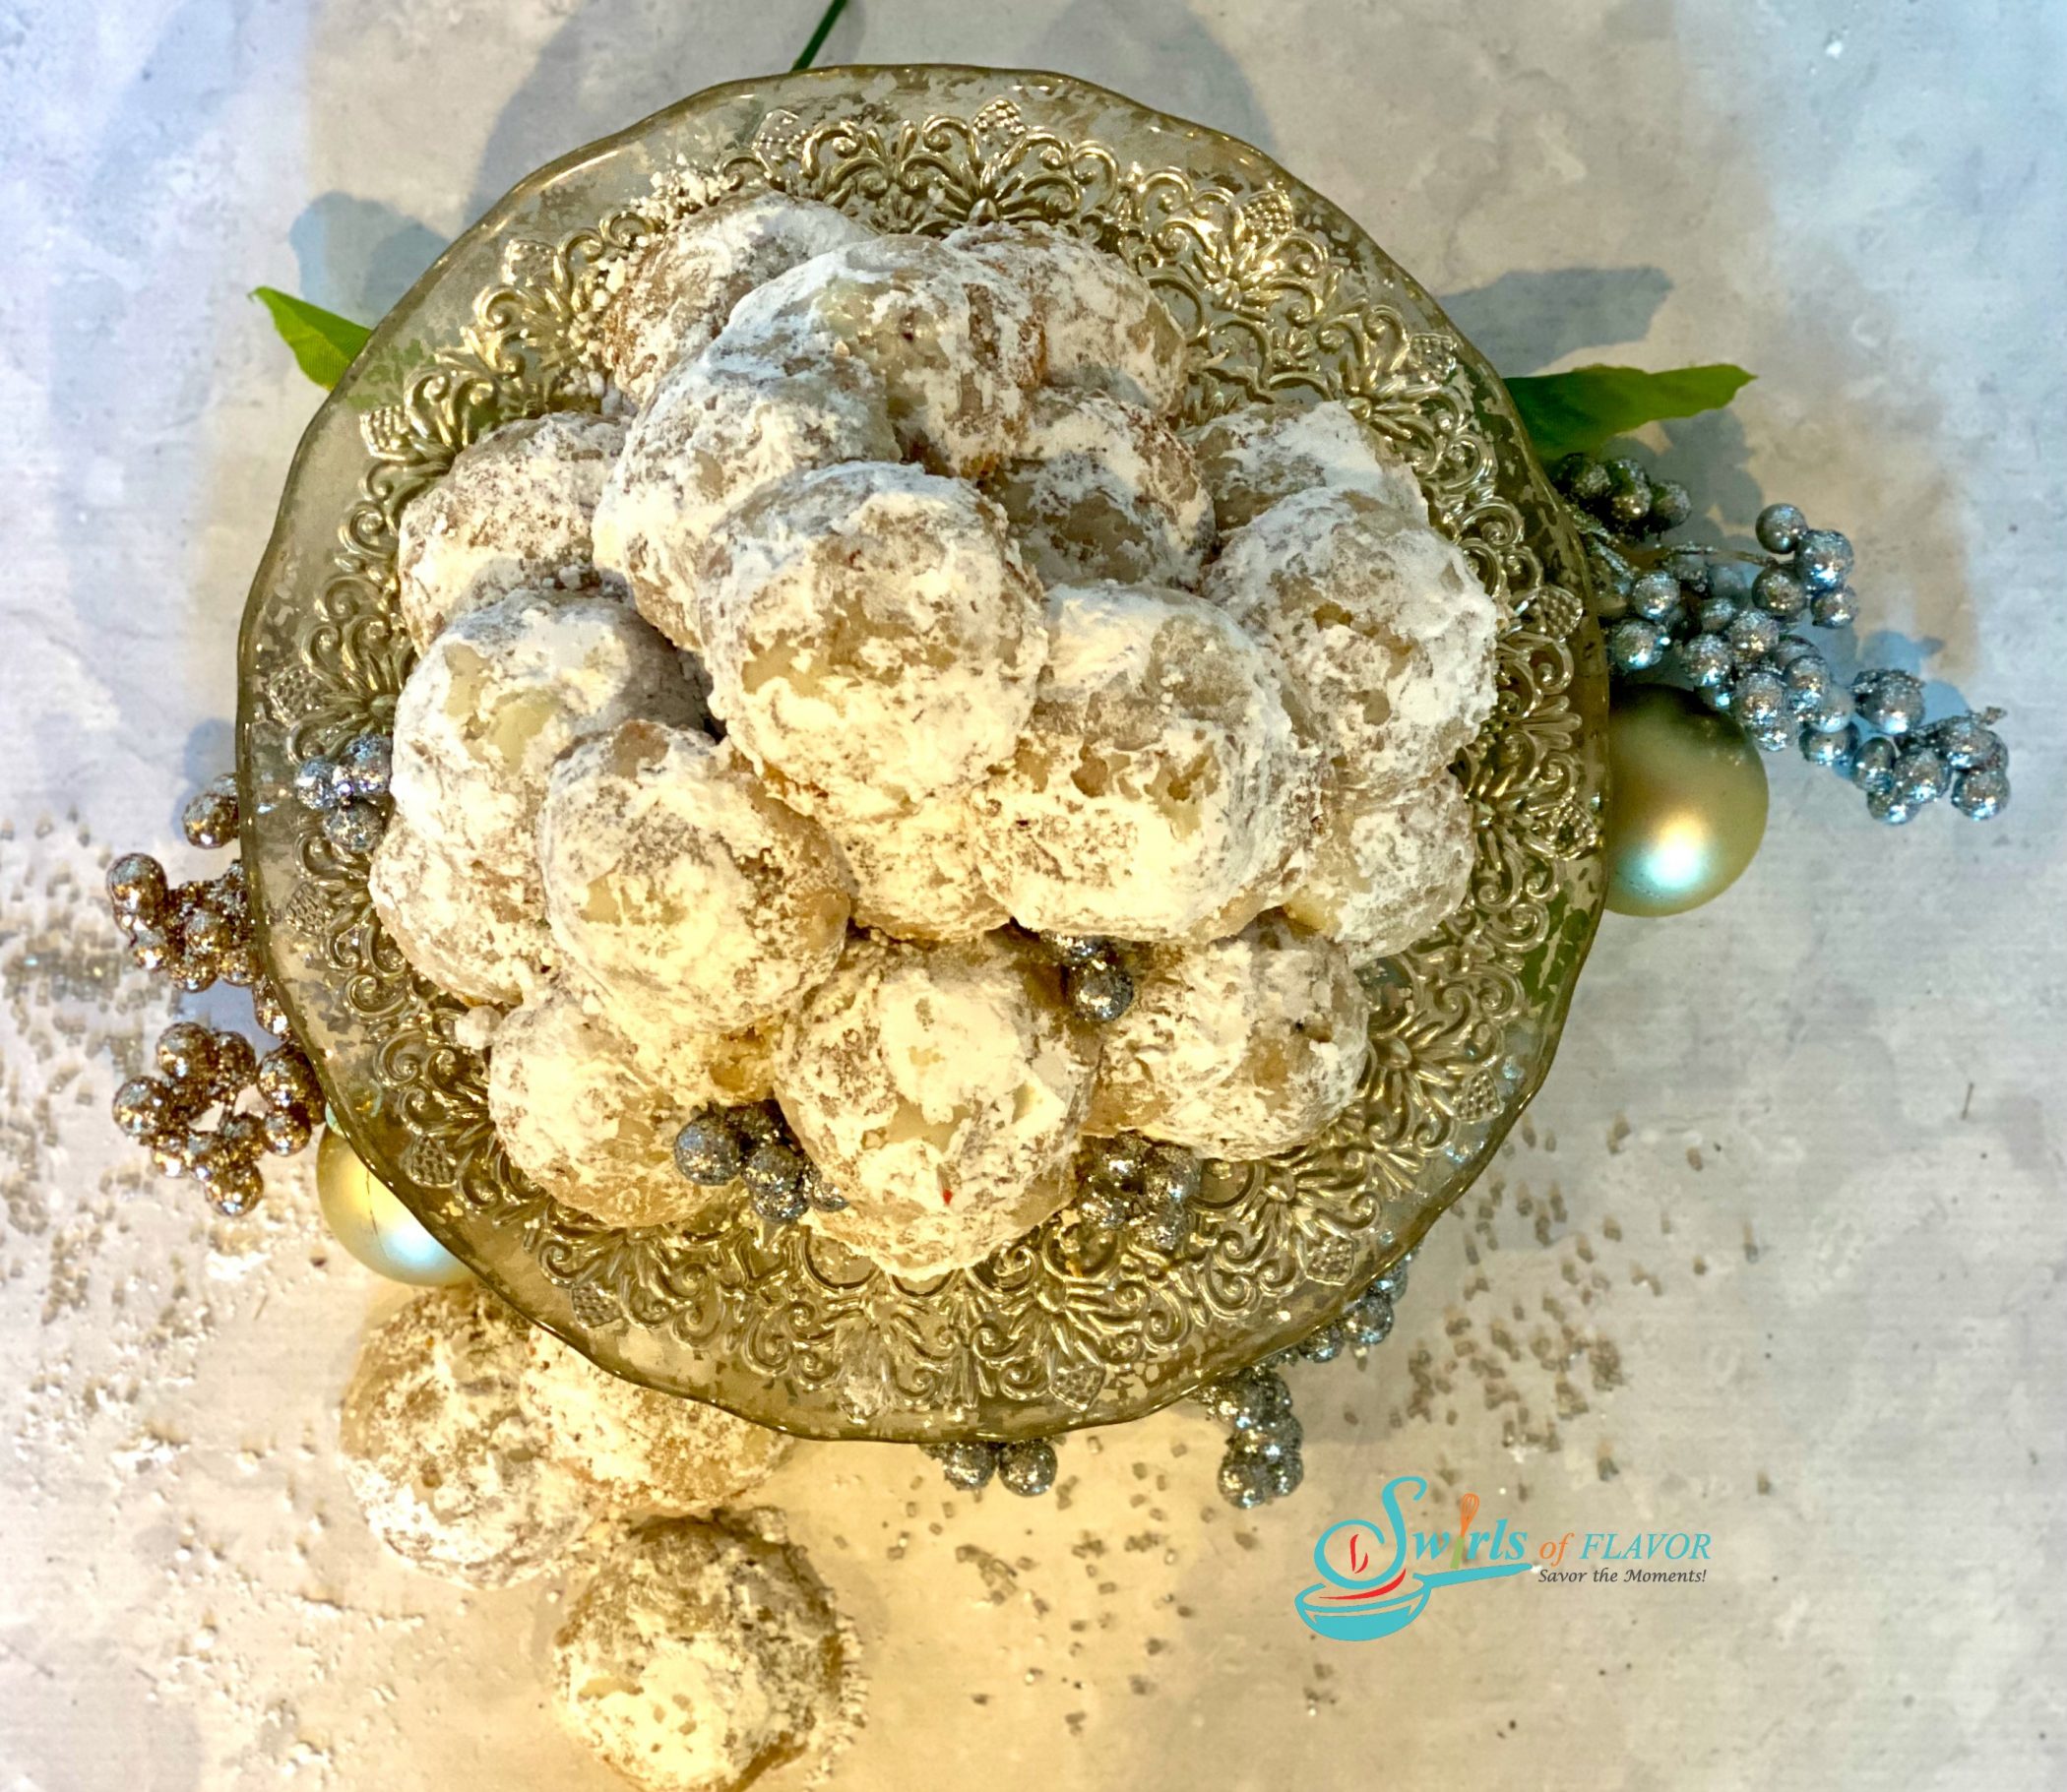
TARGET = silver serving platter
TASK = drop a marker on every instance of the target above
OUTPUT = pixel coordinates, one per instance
(1283, 295)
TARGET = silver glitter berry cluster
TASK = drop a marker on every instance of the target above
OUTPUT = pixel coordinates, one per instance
(1727, 622)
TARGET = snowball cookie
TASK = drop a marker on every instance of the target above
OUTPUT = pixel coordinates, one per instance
(499, 695)
(683, 284)
(1102, 489)
(940, 1088)
(675, 882)
(584, 1120)
(512, 510)
(1252, 456)
(1238, 1049)
(955, 344)
(449, 1463)
(1388, 868)
(1106, 330)
(701, 1659)
(1387, 631)
(711, 438)
(915, 871)
(470, 930)
(645, 1451)
(871, 635)
(1160, 779)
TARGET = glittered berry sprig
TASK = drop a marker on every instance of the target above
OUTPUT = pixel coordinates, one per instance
(1728, 622)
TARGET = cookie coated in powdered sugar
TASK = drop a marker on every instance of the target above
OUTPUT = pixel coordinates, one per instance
(940, 1088)
(1252, 456)
(451, 1465)
(584, 1120)
(915, 872)
(957, 345)
(677, 294)
(1106, 331)
(1103, 489)
(500, 694)
(1159, 777)
(646, 1451)
(514, 509)
(1387, 868)
(710, 440)
(704, 1659)
(475, 931)
(675, 883)
(1386, 630)
(871, 635)
(1238, 1049)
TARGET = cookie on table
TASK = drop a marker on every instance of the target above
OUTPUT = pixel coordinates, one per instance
(702, 1659)
(449, 1462)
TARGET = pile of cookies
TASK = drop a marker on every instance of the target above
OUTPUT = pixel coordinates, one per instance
(786, 733)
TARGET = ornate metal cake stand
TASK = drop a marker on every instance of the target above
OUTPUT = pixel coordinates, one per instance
(1282, 295)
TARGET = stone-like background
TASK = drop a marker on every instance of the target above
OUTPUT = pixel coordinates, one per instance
(1778, 1258)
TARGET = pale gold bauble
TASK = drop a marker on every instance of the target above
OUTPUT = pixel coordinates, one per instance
(368, 1219)
(1686, 801)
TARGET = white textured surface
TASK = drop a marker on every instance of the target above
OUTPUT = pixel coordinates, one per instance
(1861, 1046)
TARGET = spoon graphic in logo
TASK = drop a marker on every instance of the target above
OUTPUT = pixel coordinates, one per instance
(1371, 1601)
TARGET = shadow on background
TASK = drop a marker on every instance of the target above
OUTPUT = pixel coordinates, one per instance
(357, 256)
(1523, 322)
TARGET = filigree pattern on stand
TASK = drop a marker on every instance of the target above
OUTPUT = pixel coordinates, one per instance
(1281, 296)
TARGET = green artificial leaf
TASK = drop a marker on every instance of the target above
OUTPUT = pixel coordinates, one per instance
(1575, 412)
(324, 344)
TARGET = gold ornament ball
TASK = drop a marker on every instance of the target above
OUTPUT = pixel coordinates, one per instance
(368, 1219)
(1686, 801)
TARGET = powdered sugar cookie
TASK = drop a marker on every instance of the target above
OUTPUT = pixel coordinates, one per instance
(1106, 330)
(1387, 631)
(1239, 1049)
(940, 1090)
(674, 881)
(957, 344)
(1159, 779)
(871, 635)
(685, 284)
(1103, 489)
(512, 510)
